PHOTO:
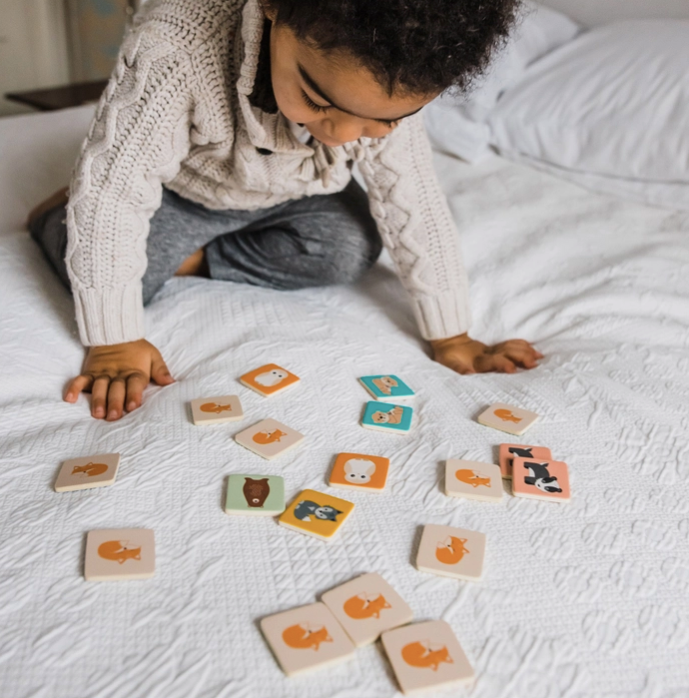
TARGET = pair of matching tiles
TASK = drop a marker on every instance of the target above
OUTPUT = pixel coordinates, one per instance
(391, 418)
(534, 474)
(355, 614)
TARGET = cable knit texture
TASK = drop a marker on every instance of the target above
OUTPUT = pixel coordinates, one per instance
(177, 112)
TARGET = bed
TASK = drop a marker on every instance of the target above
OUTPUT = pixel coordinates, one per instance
(589, 599)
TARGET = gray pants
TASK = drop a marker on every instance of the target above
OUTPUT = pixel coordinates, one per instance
(314, 241)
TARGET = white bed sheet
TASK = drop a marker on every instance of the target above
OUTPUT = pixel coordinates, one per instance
(583, 600)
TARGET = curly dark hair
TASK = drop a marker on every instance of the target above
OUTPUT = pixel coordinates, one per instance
(415, 46)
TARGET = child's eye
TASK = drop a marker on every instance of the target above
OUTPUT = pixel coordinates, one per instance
(311, 104)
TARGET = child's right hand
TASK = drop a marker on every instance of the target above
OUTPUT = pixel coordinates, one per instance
(116, 375)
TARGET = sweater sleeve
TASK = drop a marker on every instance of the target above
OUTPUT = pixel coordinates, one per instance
(139, 136)
(415, 223)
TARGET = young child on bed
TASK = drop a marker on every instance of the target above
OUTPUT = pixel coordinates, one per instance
(223, 147)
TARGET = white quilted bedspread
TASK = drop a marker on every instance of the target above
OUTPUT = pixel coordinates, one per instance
(589, 599)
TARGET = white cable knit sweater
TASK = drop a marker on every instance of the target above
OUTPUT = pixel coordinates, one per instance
(176, 112)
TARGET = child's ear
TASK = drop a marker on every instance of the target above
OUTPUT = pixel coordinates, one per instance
(268, 10)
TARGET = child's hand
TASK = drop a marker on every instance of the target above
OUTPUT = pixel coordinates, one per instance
(466, 355)
(116, 375)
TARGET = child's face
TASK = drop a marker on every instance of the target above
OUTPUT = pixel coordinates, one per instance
(309, 83)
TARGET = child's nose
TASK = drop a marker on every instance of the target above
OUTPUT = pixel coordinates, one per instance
(345, 129)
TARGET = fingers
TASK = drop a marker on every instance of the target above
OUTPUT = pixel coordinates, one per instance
(497, 363)
(525, 356)
(136, 383)
(116, 395)
(460, 367)
(99, 394)
(77, 386)
(159, 371)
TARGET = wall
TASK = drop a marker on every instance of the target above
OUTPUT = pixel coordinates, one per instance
(593, 12)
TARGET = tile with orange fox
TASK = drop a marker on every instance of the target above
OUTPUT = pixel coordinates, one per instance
(507, 418)
(451, 552)
(473, 480)
(306, 638)
(118, 554)
(269, 438)
(216, 410)
(88, 472)
(366, 607)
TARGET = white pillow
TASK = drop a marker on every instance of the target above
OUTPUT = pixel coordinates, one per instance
(456, 123)
(610, 110)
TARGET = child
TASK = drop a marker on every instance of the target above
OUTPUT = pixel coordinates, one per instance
(223, 147)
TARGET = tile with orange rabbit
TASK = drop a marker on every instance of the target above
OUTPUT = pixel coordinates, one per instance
(306, 638)
(541, 479)
(88, 472)
(426, 655)
(316, 514)
(510, 451)
(451, 552)
(118, 554)
(269, 380)
(269, 438)
(366, 607)
(470, 479)
(355, 471)
(216, 410)
(513, 420)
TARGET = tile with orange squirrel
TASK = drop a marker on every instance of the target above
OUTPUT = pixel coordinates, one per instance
(366, 607)
(534, 479)
(451, 552)
(316, 514)
(216, 410)
(507, 418)
(359, 472)
(269, 438)
(269, 380)
(508, 452)
(120, 553)
(473, 480)
(306, 638)
(426, 655)
(88, 472)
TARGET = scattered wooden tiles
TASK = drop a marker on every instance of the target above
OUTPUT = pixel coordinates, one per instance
(255, 495)
(426, 655)
(451, 552)
(306, 638)
(366, 607)
(386, 387)
(118, 554)
(269, 438)
(216, 410)
(513, 420)
(316, 514)
(473, 480)
(88, 472)
(510, 451)
(359, 472)
(382, 416)
(269, 380)
(546, 479)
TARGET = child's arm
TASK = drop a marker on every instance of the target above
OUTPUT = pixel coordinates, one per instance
(417, 228)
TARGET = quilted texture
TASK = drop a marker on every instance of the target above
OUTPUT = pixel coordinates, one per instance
(589, 599)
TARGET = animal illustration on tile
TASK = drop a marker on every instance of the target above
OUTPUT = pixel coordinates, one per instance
(268, 437)
(256, 491)
(358, 471)
(521, 452)
(469, 477)
(117, 551)
(425, 655)
(363, 606)
(451, 550)
(507, 416)
(214, 407)
(541, 478)
(271, 378)
(306, 509)
(385, 384)
(394, 416)
(302, 636)
(90, 469)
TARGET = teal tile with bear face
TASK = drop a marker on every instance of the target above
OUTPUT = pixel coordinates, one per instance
(386, 387)
(255, 495)
(383, 416)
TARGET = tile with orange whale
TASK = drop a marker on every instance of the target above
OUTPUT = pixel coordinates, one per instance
(426, 655)
(306, 638)
(85, 473)
(269, 380)
(269, 438)
(366, 607)
(513, 420)
(316, 514)
(473, 480)
(119, 553)
(451, 552)
(216, 410)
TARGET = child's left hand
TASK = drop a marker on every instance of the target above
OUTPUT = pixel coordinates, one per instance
(466, 355)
